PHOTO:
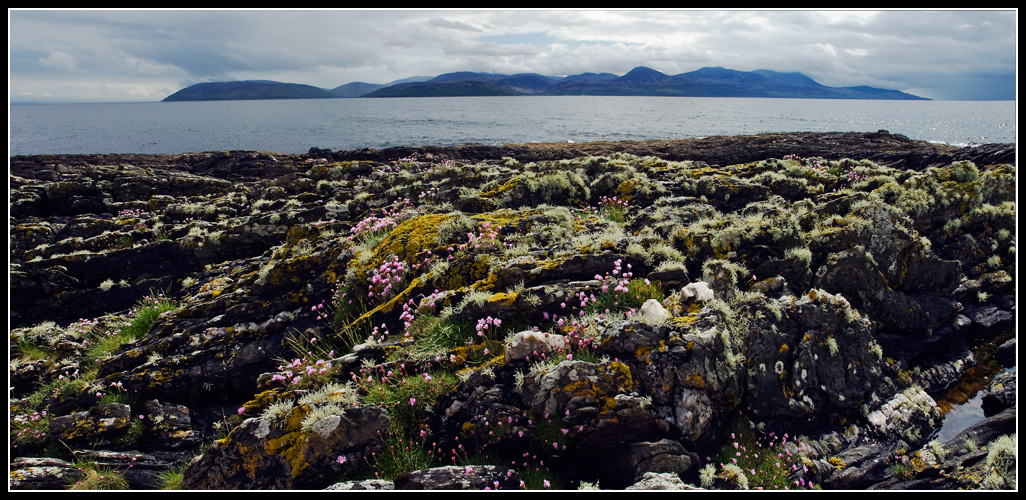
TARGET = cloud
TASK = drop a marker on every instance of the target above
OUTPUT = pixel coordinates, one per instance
(445, 23)
(59, 60)
(957, 50)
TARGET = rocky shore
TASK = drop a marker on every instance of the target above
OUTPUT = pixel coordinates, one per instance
(766, 311)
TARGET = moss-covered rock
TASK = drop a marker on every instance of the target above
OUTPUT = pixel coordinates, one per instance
(834, 263)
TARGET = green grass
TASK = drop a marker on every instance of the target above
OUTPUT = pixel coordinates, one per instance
(103, 342)
(765, 460)
(404, 395)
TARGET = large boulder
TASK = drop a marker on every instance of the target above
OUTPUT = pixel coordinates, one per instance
(812, 359)
(104, 426)
(261, 454)
(691, 373)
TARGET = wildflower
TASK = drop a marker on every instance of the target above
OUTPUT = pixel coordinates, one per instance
(341, 459)
(545, 483)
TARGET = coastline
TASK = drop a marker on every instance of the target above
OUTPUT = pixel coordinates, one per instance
(881, 146)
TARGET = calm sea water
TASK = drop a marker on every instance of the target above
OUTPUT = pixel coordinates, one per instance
(294, 126)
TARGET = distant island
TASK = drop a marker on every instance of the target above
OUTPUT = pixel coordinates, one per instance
(640, 81)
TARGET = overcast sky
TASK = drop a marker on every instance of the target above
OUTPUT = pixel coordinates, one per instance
(146, 55)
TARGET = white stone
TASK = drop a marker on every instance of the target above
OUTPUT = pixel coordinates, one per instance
(529, 342)
(655, 310)
(698, 290)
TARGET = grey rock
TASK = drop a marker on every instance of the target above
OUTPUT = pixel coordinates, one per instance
(454, 477)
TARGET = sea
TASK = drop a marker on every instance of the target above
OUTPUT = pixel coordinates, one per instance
(297, 125)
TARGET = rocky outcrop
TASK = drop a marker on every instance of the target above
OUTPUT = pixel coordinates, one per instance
(262, 454)
(529, 316)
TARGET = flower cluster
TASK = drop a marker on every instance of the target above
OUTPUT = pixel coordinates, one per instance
(132, 212)
(301, 370)
(82, 327)
(483, 324)
(386, 279)
(484, 240)
(769, 462)
(374, 225)
(613, 208)
(29, 427)
(846, 173)
(428, 196)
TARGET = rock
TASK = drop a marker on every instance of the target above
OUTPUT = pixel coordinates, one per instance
(815, 362)
(1006, 352)
(369, 484)
(1000, 395)
(597, 383)
(142, 471)
(699, 291)
(661, 481)
(641, 459)
(853, 274)
(863, 466)
(653, 310)
(263, 455)
(454, 477)
(856, 284)
(29, 473)
(170, 427)
(626, 337)
(530, 344)
(911, 416)
(942, 375)
(104, 426)
(988, 320)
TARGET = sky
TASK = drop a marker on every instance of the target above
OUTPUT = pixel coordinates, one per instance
(146, 55)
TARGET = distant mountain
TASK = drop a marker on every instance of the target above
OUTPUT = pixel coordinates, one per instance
(355, 89)
(248, 89)
(719, 82)
(411, 79)
(640, 81)
(467, 83)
